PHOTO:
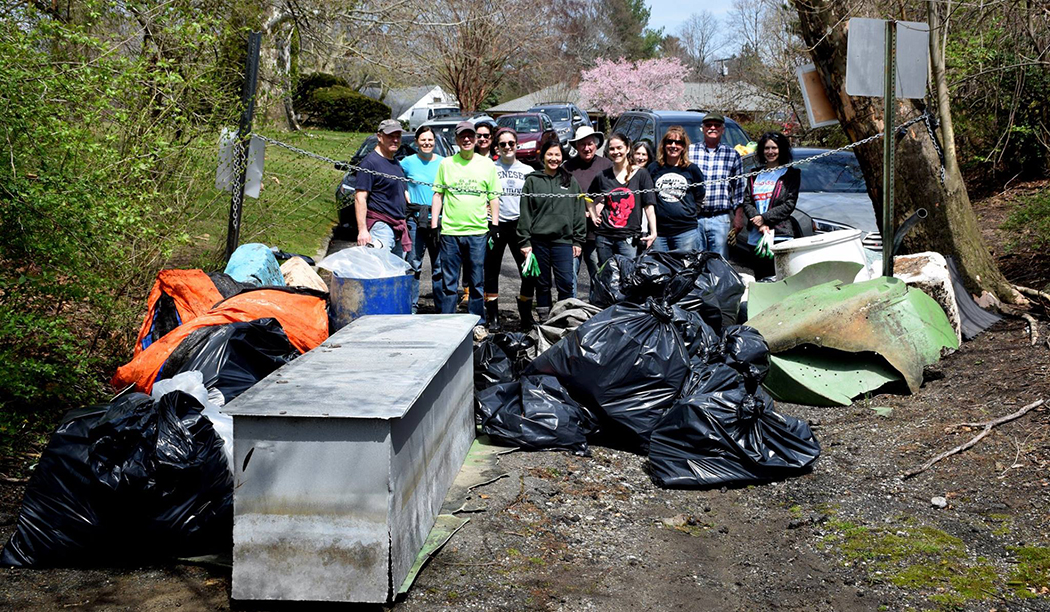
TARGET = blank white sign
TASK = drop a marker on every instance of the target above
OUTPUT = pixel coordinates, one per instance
(866, 58)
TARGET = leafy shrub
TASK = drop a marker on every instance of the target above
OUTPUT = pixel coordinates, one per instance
(341, 108)
(304, 89)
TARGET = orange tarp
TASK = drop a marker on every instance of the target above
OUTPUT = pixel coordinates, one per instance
(191, 290)
(303, 318)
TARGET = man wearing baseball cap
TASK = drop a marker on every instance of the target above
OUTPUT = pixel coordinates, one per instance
(379, 201)
(717, 160)
(466, 200)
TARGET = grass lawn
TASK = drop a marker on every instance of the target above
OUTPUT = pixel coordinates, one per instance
(295, 210)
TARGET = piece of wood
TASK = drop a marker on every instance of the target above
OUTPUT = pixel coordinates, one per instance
(1032, 292)
(987, 425)
(1033, 331)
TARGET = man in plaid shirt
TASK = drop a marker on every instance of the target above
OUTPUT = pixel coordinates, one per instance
(717, 160)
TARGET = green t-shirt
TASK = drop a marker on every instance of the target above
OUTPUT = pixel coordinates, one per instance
(466, 214)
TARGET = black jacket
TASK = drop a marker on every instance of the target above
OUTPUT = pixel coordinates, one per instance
(781, 205)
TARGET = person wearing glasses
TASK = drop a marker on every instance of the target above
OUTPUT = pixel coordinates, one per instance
(618, 224)
(423, 166)
(485, 145)
(681, 192)
(466, 201)
(770, 197)
(552, 228)
(717, 160)
(511, 173)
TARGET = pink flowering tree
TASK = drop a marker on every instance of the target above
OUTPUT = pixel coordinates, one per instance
(617, 86)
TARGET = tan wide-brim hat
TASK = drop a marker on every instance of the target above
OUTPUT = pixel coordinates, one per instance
(585, 131)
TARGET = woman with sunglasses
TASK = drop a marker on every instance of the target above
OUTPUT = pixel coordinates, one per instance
(618, 222)
(681, 192)
(770, 197)
(511, 173)
(485, 145)
(552, 229)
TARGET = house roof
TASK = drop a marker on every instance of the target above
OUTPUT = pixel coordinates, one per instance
(400, 99)
(731, 96)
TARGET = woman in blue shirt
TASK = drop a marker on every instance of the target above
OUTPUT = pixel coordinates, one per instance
(770, 197)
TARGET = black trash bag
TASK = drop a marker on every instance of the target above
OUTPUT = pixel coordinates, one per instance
(535, 413)
(745, 350)
(492, 366)
(727, 432)
(703, 345)
(716, 288)
(516, 346)
(628, 363)
(606, 289)
(232, 357)
(127, 483)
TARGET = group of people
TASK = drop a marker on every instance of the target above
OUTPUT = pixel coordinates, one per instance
(486, 201)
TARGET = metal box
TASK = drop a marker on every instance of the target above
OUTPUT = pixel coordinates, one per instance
(344, 456)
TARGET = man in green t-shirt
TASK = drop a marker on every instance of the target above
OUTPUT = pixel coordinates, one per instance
(465, 218)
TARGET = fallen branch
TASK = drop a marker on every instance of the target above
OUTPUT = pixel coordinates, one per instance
(987, 425)
(1033, 331)
(1032, 292)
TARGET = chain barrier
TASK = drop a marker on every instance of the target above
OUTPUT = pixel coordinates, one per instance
(346, 166)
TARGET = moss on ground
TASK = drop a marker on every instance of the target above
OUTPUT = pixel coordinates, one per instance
(910, 555)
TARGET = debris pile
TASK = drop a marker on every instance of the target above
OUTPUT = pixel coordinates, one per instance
(664, 369)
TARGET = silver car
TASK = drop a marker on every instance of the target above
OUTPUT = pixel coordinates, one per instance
(834, 194)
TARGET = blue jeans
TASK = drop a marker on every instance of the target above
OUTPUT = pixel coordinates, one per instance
(554, 259)
(385, 233)
(424, 240)
(714, 232)
(468, 251)
(688, 240)
(607, 247)
(589, 255)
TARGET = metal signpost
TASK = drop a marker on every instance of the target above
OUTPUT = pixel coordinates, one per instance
(251, 77)
(899, 71)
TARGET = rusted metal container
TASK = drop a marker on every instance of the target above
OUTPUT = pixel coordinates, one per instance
(344, 456)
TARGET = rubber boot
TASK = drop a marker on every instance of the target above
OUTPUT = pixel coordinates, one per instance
(542, 313)
(525, 312)
(492, 315)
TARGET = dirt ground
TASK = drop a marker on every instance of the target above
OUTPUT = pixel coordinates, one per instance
(561, 532)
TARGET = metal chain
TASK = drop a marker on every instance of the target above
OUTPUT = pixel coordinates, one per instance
(346, 166)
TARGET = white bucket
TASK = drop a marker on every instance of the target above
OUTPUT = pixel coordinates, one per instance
(791, 256)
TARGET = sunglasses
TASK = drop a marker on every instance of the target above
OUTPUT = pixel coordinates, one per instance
(507, 144)
(484, 136)
(674, 141)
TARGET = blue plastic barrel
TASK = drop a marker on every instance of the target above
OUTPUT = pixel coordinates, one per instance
(355, 297)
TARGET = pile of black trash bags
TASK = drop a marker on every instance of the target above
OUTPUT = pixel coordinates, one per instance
(146, 478)
(664, 370)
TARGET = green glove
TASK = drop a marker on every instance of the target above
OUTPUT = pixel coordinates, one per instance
(531, 267)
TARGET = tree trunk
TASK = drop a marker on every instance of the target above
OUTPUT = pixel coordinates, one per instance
(951, 228)
(279, 29)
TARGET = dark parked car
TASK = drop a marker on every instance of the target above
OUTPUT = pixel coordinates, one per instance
(643, 124)
(344, 193)
(531, 129)
(567, 117)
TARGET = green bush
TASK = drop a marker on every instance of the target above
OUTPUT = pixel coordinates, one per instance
(302, 98)
(341, 108)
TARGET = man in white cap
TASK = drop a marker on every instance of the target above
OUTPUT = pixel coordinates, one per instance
(379, 201)
(466, 200)
(586, 165)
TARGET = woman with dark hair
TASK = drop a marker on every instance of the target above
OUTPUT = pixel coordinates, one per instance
(770, 197)
(552, 229)
(642, 154)
(677, 202)
(485, 146)
(618, 215)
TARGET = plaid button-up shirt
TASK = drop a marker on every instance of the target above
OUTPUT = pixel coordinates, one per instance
(721, 163)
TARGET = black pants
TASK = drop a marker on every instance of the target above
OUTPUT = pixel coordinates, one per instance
(556, 259)
(508, 237)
